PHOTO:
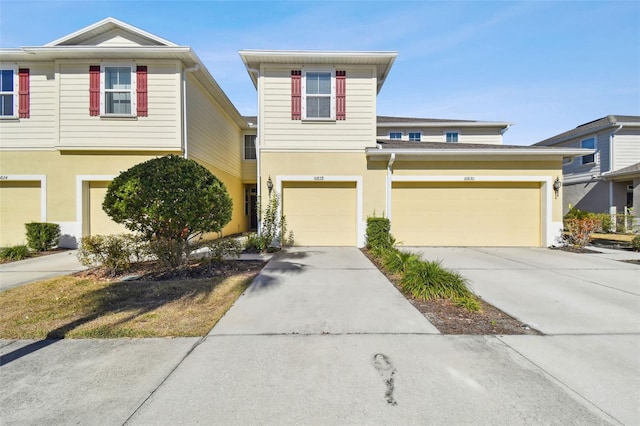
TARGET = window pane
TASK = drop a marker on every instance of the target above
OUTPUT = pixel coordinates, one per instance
(6, 105)
(318, 83)
(118, 78)
(452, 137)
(415, 137)
(6, 81)
(249, 147)
(118, 102)
(395, 135)
(318, 107)
(589, 143)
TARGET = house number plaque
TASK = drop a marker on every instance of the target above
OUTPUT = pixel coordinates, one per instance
(318, 178)
(469, 178)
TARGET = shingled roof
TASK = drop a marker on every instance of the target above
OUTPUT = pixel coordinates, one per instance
(591, 127)
(382, 119)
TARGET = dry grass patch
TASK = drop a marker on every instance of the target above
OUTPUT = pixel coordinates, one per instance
(624, 238)
(89, 307)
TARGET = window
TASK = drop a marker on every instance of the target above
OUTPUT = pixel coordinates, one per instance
(118, 90)
(249, 147)
(318, 93)
(589, 144)
(8, 92)
(452, 137)
(395, 135)
(415, 136)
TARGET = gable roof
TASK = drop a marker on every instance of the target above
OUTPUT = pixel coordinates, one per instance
(253, 58)
(625, 173)
(592, 127)
(109, 24)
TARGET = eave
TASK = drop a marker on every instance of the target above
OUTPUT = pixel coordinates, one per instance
(478, 154)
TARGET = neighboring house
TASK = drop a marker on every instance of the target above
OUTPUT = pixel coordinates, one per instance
(321, 147)
(607, 180)
(79, 110)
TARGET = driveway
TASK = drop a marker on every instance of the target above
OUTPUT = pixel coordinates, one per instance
(26, 271)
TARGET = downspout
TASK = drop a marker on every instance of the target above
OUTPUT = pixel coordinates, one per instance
(392, 158)
(611, 164)
(185, 145)
(258, 172)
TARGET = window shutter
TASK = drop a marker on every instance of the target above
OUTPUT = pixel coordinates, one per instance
(23, 93)
(296, 95)
(94, 90)
(341, 89)
(141, 90)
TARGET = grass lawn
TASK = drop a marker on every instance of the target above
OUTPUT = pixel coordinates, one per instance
(91, 307)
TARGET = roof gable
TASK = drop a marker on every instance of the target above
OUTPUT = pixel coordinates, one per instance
(110, 32)
(592, 127)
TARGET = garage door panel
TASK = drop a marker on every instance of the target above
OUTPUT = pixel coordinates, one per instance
(320, 213)
(99, 222)
(467, 214)
(19, 204)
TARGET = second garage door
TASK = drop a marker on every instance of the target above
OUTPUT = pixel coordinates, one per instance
(467, 214)
(99, 222)
(321, 213)
(19, 204)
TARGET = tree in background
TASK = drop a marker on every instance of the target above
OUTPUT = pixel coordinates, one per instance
(168, 201)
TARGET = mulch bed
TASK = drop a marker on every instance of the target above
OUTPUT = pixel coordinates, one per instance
(451, 319)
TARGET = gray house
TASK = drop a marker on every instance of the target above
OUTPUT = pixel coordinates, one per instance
(609, 179)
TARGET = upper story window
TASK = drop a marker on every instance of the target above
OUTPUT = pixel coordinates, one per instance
(395, 135)
(452, 137)
(8, 92)
(318, 93)
(415, 136)
(588, 144)
(118, 90)
(249, 147)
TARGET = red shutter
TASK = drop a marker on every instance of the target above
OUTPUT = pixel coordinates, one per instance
(94, 90)
(23, 93)
(296, 95)
(141, 90)
(341, 90)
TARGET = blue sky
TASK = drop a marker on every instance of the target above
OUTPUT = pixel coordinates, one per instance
(546, 66)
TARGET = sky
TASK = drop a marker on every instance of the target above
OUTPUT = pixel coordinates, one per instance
(546, 66)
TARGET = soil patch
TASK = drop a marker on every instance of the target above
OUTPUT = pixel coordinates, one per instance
(571, 249)
(451, 319)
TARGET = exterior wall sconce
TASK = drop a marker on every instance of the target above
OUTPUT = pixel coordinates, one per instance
(556, 186)
(270, 186)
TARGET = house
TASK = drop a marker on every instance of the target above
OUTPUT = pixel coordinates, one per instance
(322, 149)
(81, 109)
(607, 180)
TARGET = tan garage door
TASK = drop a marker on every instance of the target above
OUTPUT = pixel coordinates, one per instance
(98, 221)
(321, 213)
(467, 214)
(19, 204)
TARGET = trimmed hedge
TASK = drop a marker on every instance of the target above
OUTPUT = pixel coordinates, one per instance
(42, 236)
(378, 235)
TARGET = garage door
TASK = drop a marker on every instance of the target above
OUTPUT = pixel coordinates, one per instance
(467, 214)
(19, 204)
(99, 222)
(321, 213)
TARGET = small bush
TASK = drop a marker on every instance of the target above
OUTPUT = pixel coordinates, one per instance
(256, 243)
(114, 252)
(470, 303)
(396, 261)
(17, 252)
(580, 231)
(378, 235)
(42, 236)
(429, 280)
(222, 247)
(635, 243)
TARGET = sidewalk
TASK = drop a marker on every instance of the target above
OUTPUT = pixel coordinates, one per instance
(26, 271)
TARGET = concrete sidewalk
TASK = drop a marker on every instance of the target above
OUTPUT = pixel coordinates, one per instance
(26, 271)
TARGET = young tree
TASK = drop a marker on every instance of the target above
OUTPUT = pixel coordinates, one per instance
(168, 200)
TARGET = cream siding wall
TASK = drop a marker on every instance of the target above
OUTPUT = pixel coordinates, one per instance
(38, 131)
(160, 130)
(626, 148)
(480, 135)
(213, 137)
(249, 171)
(278, 131)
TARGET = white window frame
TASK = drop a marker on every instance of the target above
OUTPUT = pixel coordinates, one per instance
(16, 105)
(448, 132)
(414, 133)
(332, 95)
(595, 147)
(103, 91)
(393, 133)
(244, 147)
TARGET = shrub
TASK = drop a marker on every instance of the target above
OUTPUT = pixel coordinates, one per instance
(635, 243)
(580, 231)
(470, 303)
(429, 280)
(222, 247)
(273, 230)
(396, 261)
(114, 252)
(255, 242)
(17, 252)
(42, 236)
(378, 233)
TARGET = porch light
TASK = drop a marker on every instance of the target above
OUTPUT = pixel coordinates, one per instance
(556, 186)
(270, 185)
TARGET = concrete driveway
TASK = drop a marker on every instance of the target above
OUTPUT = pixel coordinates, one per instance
(26, 271)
